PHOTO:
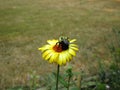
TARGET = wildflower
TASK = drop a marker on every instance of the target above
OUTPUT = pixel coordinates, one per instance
(59, 51)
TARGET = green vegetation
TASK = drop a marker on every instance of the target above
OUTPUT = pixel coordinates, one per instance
(25, 25)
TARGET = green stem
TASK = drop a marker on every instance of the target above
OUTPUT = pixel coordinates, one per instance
(58, 67)
(68, 82)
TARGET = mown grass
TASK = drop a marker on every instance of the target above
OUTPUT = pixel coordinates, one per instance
(25, 25)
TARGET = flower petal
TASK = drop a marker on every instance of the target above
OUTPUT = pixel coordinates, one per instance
(59, 61)
(53, 58)
(64, 60)
(63, 57)
(48, 56)
(45, 53)
(52, 42)
(73, 40)
(72, 52)
(69, 56)
(44, 48)
(74, 48)
(73, 45)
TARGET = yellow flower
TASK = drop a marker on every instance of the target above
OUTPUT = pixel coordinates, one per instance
(59, 51)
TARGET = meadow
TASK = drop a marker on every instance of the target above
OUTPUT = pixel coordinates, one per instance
(26, 25)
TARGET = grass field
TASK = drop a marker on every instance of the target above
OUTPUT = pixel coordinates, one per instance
(25, 25)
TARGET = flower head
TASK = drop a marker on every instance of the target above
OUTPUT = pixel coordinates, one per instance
(59, 51)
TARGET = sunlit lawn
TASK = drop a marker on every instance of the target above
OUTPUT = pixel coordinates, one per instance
(25, 25)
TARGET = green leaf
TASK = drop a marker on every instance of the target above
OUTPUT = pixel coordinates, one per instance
(101, 86)
(63, 82)
(74, 88)
(88, 84)
(19, 88)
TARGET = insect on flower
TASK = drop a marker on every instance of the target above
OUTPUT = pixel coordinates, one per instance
(62, 44)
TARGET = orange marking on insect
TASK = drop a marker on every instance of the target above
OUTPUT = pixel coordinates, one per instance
(58, 48)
